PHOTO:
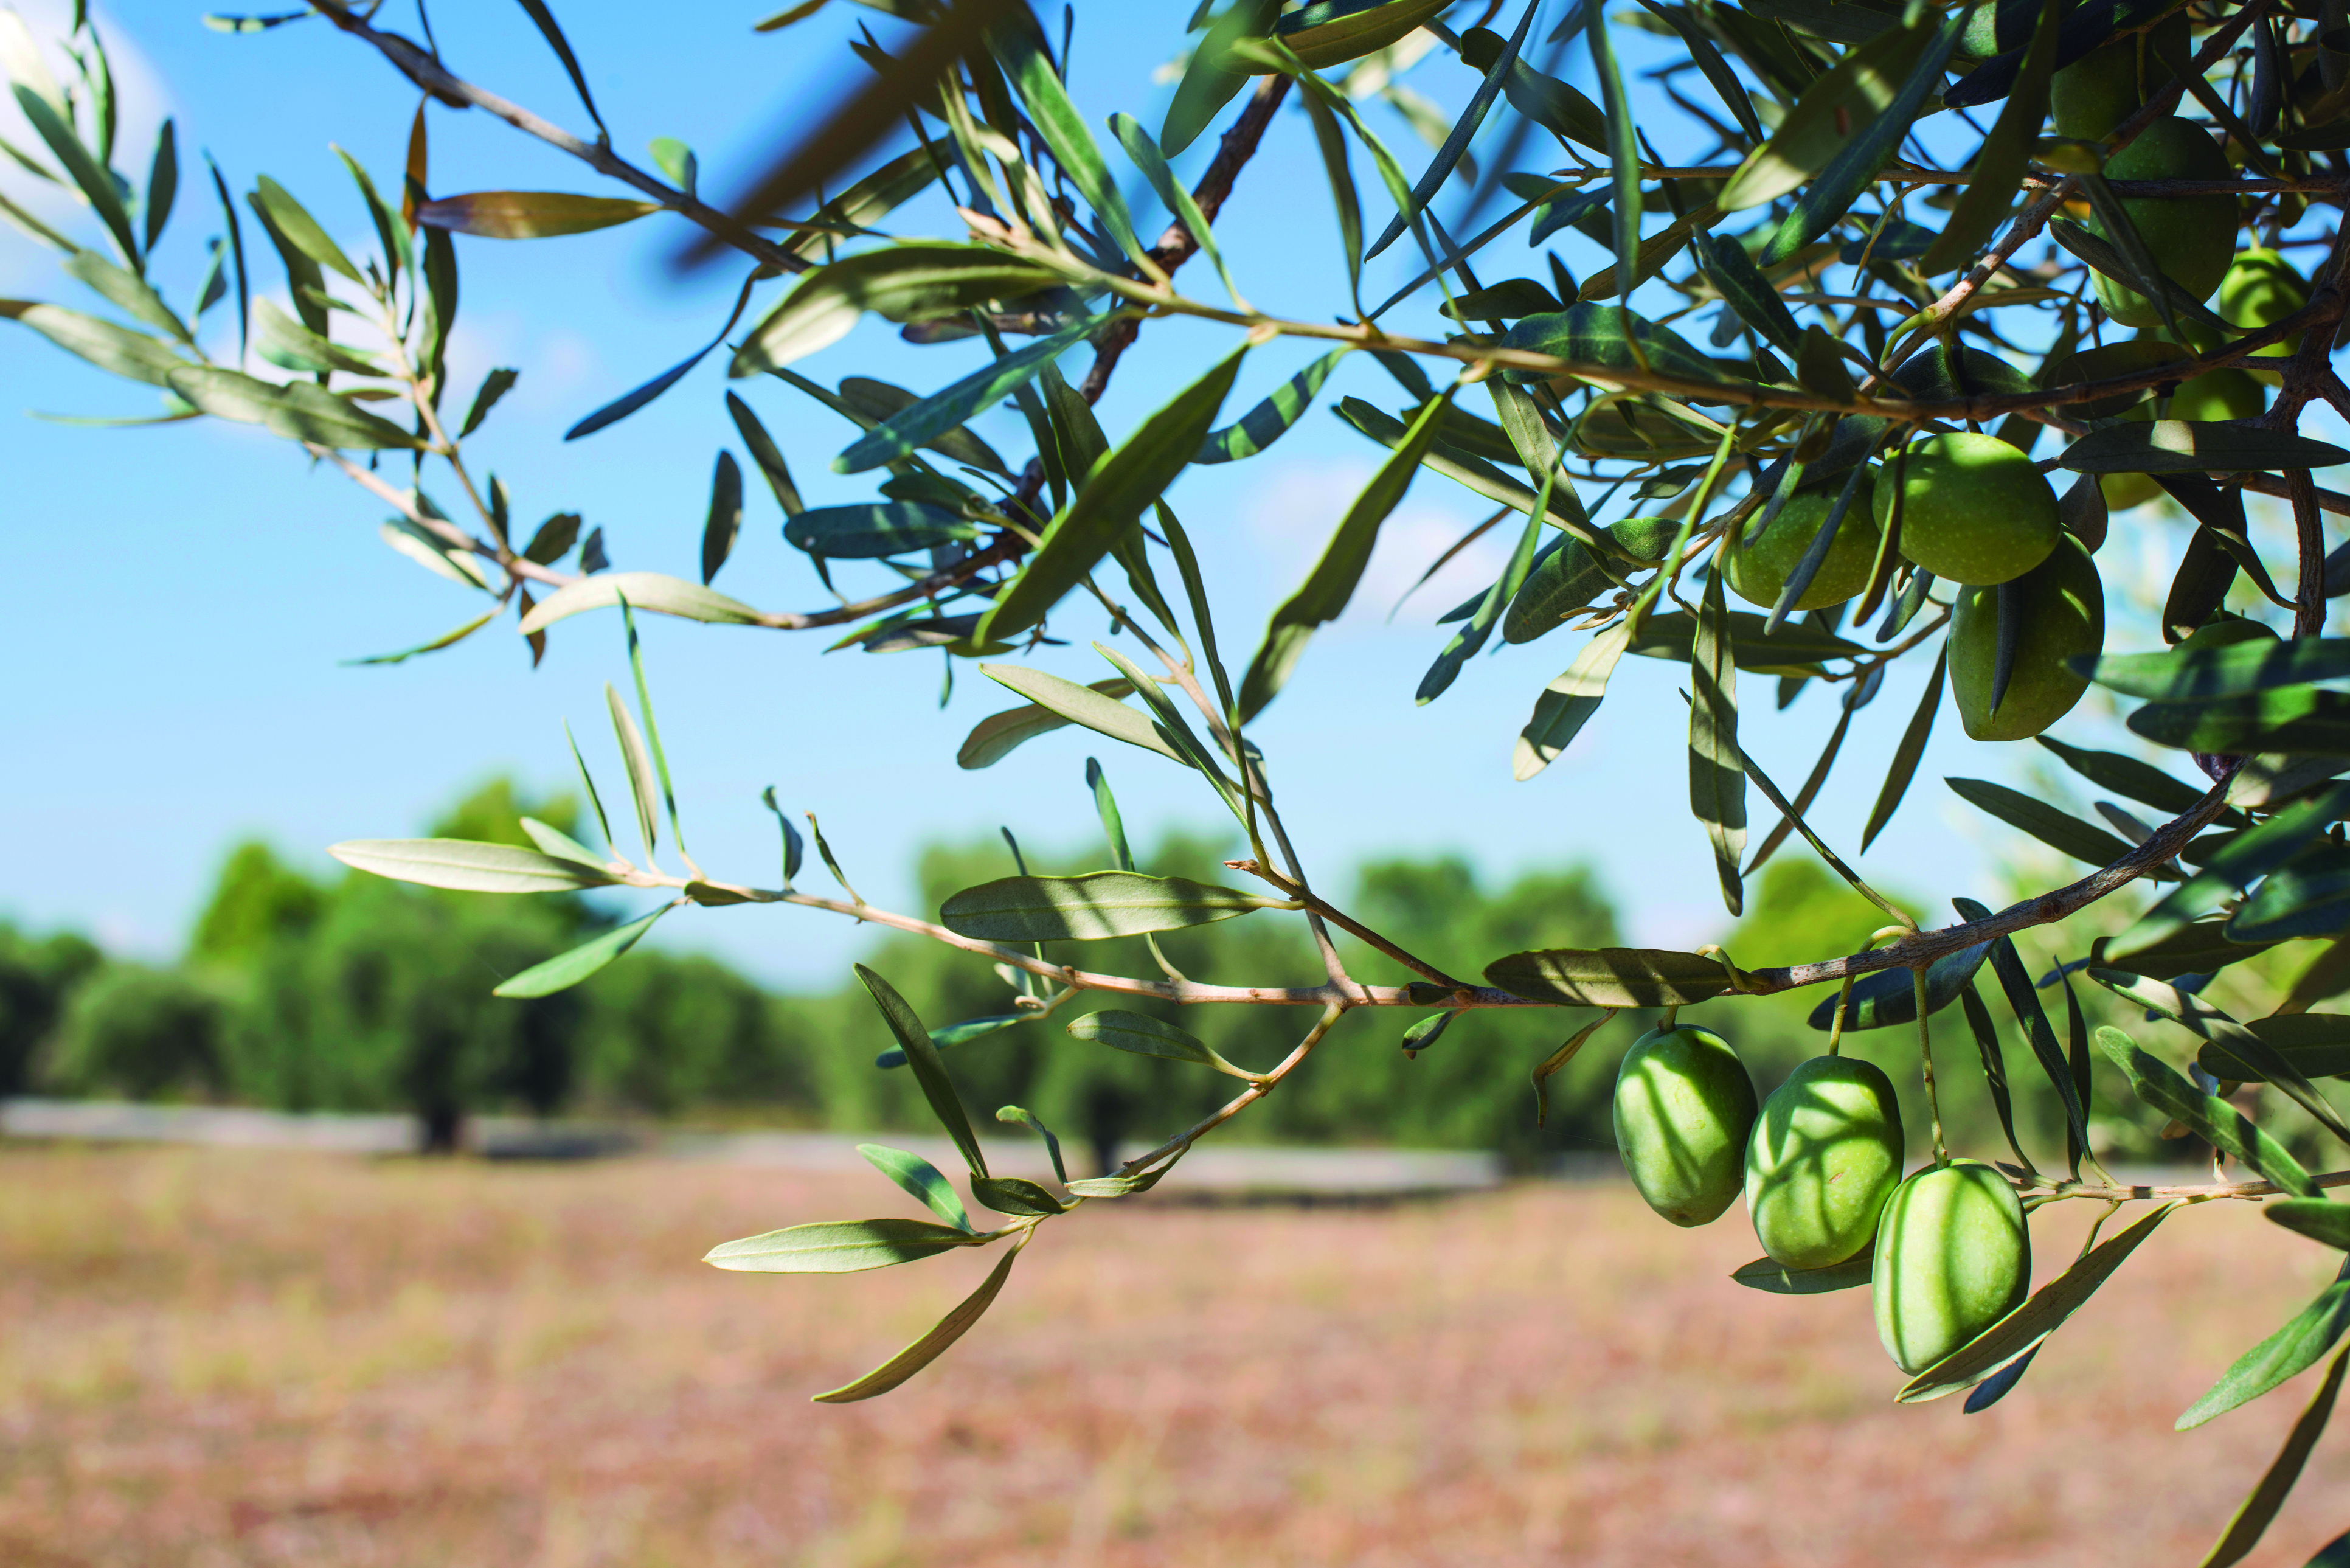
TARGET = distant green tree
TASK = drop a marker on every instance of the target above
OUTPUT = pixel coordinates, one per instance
(142, 1034)
(38, 975)
(257, 901)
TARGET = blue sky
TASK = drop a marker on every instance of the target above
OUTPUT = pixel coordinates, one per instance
(187, 593)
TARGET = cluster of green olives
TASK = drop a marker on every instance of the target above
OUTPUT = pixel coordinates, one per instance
(1820, 1164)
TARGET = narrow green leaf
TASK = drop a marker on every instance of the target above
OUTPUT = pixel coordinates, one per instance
(467, 867)
(1834, 111)
(529, 214)
(2290, 1350)
(553, 33)
(557, 842)
(1764, 1274)
(1214, 77)
(2251, 1519)
(1717, 771)
(2189, 674)
(1110, 502)
(1145, 1036)
(928, 1071)
(2211, 1119)
(1750, 296)
(1906, 754)
(1456, 142)
(2186, 446)
(871, 530)
(1019, 48)
(1994, 1066)
(1029, 1120)
(287, 219)
(1121, 1186)
(127, 290)
(2249, 855)
(1332, 32)
(765, 455)
(838, 1247)
(2035, 817)
(1090, 907)
(636, 763)
(1828, 197)
(2024, 1329)
(237, 253)
(1465, 643)
(2238, 1043)
(923, 422)
(1609, 977)
(1169, 191)
(2306, 897)
(115, 349)
(567, 969)
(645, 591)
(1997, 173)
(1093, 707)
(2129, 776)
(920, 1178)
(1016, 1195)
(1607, 335)
(291, 346)
(446, 639)
(931, 1346)
(300, 411)
(1623, 156)
(2320, 1219)
(1568, 702)
(96, 183)
(1330, 139)
(1330, 584)
(1887, 998)
(902, 283)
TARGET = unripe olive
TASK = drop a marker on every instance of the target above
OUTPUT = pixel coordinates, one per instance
(2227, 394)
(1953, 1257)
(1684, 1106)
(2261, 290)
(1759, 567)
(1973, 508)
(2063, 617)
(1826, 1153)
(2091, 97)
(2191, 238)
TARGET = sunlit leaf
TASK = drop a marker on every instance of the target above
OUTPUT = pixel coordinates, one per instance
(1098, 905)
(468, 867)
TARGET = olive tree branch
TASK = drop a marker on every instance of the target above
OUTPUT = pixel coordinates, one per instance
(428, 73)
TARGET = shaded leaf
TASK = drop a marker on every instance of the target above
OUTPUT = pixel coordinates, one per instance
(902, 283)
(921, 423)
(1147, 1036)
(1907, 755)
(1091, 706)
(495, 386)
(2211, 1119)
(1272, 418)
(874, 529)
(1090, 907)
(1717, 770)
(1609, 977)
(2129, 776)
(528, 214)
(2035, 817)
(1214, 77)
(1766, 1274)
(1833, 111)
(923, 1058)
(1887, 997)
(2187, 446)
(2252, 1519)
(995, 737)
(2320, 1219)
(645, 591)
(1456, 142)
(2290, 1350)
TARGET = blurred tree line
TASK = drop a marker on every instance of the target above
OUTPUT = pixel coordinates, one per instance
(353, 993)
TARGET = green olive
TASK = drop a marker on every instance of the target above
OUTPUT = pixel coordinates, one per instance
(1759, 564)
(1684, 1106)
(2214, 395)
(2063, 606)
(2261, 290)
(1953, 1257)
(2091, 97)
(2191, 238)
(1825, 1154)
(1973, 508)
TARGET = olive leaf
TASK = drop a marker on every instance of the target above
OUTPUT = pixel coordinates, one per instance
(645, 591)
(1831, 111)
(2249, 854)
(2252, 1517)
(2187, 446)
(467, 867)
(2066, 833)
(2022, 1330)
(1323, 597)
(1456, 141)
(931, 1345)
(838, 1247)
(1768, 1274)
(923, 1058)
(2137, 780)
(567, 969)
(1145, 1036)
(528, 214)
(1091, 907)
(1568, 702)
(1887, 997)
(2293, 1349)
(1609, 977)
(903, 283)
(920, 1178)
(2211, 1119)
(1907, 755)
(1717, 771)
(1272, 418)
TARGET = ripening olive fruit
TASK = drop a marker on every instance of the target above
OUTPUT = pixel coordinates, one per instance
(1684, 1106)
(2227, 394)
(1953, 1257)
(1973, 508)
(1759, 567)
(2191, 238)
(1826, 1151)
(2091, 97)
(2061, 605)
(2261, 290)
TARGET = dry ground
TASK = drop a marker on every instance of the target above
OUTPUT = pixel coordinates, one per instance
(226, 1358)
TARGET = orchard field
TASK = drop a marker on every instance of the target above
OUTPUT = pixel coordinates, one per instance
(229, 1359)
